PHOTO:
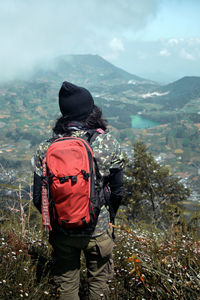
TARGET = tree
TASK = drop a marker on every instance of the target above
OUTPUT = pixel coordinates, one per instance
(149, 186)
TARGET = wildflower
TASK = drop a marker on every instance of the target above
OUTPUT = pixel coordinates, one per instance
(26, 294)
(20, 251)
(13, 253)
(46, 293)
(20, 284)
(25, 269)
(21, 296)
(2, 239)
(4, 281)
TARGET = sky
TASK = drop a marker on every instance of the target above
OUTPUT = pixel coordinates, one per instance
(154, 39)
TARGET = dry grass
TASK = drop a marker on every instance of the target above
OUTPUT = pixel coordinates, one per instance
(149, 263)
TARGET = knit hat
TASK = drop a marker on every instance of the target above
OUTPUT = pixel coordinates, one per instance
(75, 102)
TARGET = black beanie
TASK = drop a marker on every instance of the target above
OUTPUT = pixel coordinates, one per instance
(75, 102)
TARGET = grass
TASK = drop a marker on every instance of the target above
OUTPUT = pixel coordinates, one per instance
(25, 263)
(149, 263)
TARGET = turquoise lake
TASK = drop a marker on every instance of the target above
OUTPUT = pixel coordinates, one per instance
(140, 123)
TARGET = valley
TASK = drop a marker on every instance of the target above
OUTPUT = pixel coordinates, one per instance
(29, 108)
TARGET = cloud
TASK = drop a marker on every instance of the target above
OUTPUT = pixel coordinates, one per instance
(115, 47)
(116, 44)
(173, 42)
(34, 30)
(186, 55)
(181, 48)
(149, 59)
(164, 52)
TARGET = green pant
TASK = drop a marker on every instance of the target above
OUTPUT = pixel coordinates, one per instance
(99, 263)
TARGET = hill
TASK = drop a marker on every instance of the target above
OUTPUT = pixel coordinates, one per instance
(85, 69)
(169, 114)
(179, 93)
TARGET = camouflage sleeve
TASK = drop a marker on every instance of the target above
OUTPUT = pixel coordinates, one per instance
(117, 159)
(108, 154)
(38, 157)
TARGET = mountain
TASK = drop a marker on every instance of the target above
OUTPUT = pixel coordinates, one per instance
(179, 93)
(168, 115)
(85, 69)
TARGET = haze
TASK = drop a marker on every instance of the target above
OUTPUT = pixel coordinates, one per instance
(157, 39)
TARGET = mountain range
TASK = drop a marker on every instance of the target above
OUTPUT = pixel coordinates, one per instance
(168, 115)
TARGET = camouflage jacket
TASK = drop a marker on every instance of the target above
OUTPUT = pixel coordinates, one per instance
(108, 155)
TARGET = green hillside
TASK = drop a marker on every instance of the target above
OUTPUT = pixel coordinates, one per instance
(29, 108)
(180, 92)
(85, 69)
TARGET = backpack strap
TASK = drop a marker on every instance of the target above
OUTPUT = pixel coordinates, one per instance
(92, 134)
(45, 199)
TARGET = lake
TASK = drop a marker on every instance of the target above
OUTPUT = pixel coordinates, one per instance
(140, 123)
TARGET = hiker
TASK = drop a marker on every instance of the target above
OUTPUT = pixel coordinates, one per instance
(81, 118)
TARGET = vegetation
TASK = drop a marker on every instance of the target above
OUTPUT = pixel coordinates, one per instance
(150, 262)
(28, 109)
(150, 188)
(157, 250)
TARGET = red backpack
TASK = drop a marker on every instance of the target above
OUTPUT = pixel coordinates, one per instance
(71, 173)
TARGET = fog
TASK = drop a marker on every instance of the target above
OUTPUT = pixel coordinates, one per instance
(34, 31)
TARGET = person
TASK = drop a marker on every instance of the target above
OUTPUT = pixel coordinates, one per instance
(80, 115)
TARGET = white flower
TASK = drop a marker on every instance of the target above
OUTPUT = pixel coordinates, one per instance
(46, 293)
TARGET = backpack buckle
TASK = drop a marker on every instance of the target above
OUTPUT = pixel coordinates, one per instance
(74, 179)
(85, 175)
(63, 179)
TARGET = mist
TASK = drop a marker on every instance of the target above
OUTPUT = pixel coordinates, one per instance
(34, 31)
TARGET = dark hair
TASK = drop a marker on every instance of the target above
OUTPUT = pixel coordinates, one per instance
(93, 121)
